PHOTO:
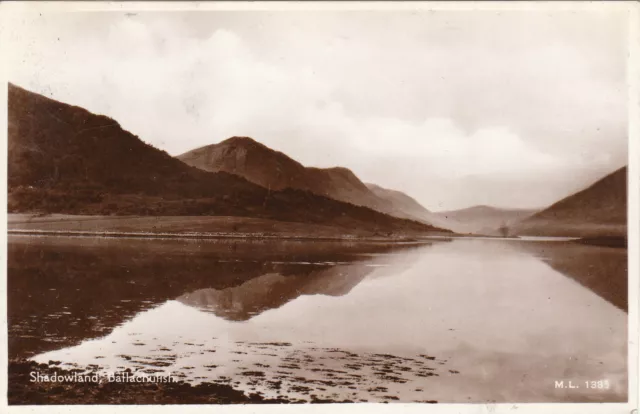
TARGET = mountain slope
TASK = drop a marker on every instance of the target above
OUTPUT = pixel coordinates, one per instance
(55, 145)
(402, 205)
(599, 210)
(274, 170)
(485, 220)
(271, 169)
(64, 159)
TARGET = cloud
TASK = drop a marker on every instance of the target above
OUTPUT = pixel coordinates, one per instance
(433, 110)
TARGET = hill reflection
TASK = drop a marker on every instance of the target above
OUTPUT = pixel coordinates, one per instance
(272, 290)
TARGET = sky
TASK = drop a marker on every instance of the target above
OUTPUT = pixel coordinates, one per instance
(455, 108)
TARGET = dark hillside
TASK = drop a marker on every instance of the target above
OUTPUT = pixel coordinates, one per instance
(597, 211)
(64, 159)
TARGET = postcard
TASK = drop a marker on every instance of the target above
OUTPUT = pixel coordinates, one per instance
(320, 206)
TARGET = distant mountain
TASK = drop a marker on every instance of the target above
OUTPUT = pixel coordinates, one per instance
(274, 170)
(484, 220)
(64, 159)
(599, 210)
(402, 205)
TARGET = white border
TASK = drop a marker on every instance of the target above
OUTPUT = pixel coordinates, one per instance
(10, 10)
(85, 6)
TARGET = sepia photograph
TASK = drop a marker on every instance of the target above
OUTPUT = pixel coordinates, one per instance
(405, 203)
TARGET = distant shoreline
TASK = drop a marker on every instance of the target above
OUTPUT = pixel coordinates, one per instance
(245, 228)
(611, 242)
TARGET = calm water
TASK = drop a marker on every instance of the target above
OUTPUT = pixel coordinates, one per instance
(449, 321)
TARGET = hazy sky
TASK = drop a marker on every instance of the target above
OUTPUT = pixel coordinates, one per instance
(455, 108)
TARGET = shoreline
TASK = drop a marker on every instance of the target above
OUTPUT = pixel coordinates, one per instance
(214, 236)
(250, 229)
(200, 228)
(610, 242)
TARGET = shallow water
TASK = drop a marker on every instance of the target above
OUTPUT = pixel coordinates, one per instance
(449, 321)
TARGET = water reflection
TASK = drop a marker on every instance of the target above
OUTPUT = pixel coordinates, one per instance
(273, 290)
(62, 290)
(600, 269)
(469, 320)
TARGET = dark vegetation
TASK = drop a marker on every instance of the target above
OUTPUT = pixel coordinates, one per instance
(64, 159)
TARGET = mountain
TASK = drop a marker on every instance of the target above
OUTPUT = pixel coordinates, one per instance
(598, 210)
(486, 220)
(64, 159)
(402, 205)
(274, 170)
